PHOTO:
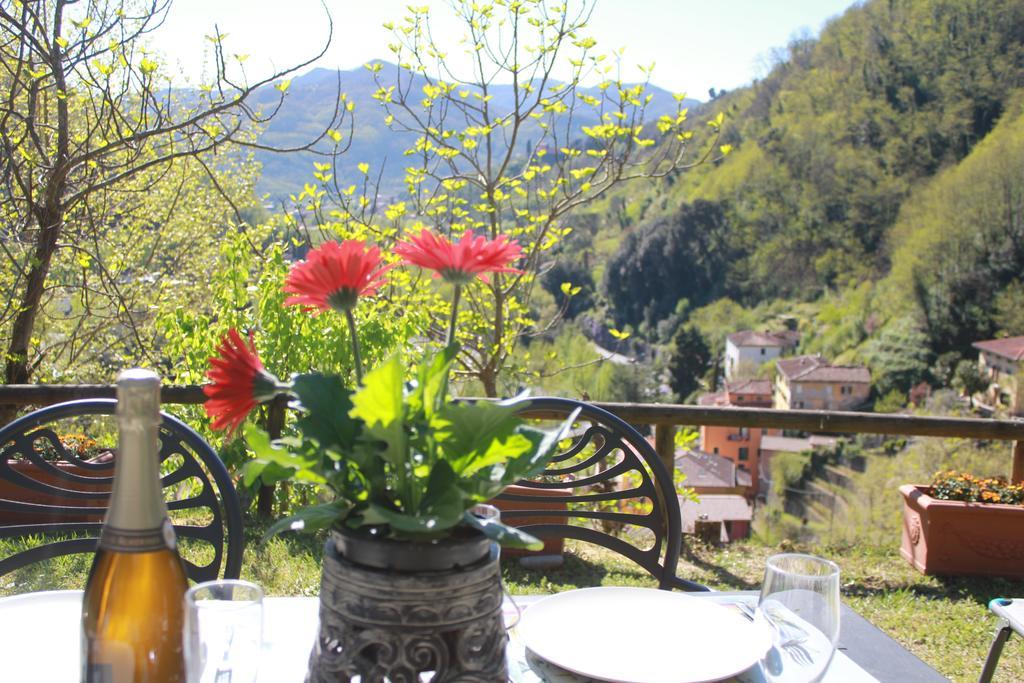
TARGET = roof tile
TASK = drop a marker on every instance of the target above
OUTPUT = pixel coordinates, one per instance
(709, 470)
(817, 369)
(754, 338)
(1009, 347)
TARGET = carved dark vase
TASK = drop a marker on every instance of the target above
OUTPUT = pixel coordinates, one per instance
(392, 611)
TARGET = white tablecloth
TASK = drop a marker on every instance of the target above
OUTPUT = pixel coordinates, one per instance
(40, 640)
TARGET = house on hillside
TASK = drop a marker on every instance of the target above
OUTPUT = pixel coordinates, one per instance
(708, 473)
(812, 383)
(723, 511)
(741, 445)
(746, 351)
(1000, 361)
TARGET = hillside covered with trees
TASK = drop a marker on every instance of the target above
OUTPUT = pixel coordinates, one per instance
(874, 191)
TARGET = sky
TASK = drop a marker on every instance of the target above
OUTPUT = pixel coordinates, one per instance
(694, 44)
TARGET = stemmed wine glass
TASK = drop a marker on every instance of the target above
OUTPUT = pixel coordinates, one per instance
(800, 603)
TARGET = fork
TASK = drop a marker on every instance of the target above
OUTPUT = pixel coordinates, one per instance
(790, 635)
(797, 652)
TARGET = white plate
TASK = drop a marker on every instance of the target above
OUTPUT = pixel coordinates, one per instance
(40, 636)
(641, 635)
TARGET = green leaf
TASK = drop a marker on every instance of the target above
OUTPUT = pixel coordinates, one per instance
(507, 536)
(500, 450)
(379, 404)
(326, 402)
(443, 499)
(546, 442)
(268, 453)
(406, 523)
(472, 430)
(309, 519)
(432, 383)
(267, 473)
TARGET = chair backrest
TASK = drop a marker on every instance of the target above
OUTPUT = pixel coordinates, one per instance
(48, 490)
(618, 493)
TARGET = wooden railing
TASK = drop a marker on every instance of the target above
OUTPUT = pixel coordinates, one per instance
(665, 418)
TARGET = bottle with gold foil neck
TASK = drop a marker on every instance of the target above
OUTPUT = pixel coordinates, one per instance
(133, 608)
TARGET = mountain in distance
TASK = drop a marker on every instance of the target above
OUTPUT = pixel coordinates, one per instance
(311, 99)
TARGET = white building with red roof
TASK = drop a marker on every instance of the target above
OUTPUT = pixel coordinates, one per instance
(748, 350)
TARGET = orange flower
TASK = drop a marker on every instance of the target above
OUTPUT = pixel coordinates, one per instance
(335, 276)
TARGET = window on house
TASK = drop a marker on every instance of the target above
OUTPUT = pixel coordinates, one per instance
(762, 352)
(745, 432)
(715, 450)
(744, 453)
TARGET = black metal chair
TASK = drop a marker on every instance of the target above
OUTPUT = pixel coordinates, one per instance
(54, 501)
(621, 495)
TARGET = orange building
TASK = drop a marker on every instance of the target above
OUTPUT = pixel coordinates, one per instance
(742, 445)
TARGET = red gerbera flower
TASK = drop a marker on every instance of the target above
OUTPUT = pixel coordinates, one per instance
(335, 276)
(238, 382)
(461, 261)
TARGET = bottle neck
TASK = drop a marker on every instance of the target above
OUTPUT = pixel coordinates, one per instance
(137, 509)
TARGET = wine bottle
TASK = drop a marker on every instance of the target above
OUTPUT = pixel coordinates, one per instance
(133, 607)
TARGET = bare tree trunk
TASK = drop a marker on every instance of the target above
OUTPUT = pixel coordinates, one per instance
(18, 370)
(275, 417)
(489, 379)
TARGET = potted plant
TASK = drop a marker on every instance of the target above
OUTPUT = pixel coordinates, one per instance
(964, 526)
(410, 582)
(516, 498)
(42, 484)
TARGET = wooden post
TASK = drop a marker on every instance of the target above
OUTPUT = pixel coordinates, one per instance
(275, 425)
(665, 445)
(1017, 473)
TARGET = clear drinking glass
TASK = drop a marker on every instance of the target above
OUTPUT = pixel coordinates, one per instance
(487, 511)
(223, 631)
(511, 612)
(800, 603)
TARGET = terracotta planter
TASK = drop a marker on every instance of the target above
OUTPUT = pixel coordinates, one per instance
(53, 480)
(952, 538)
(509, 506)
(440, 613)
